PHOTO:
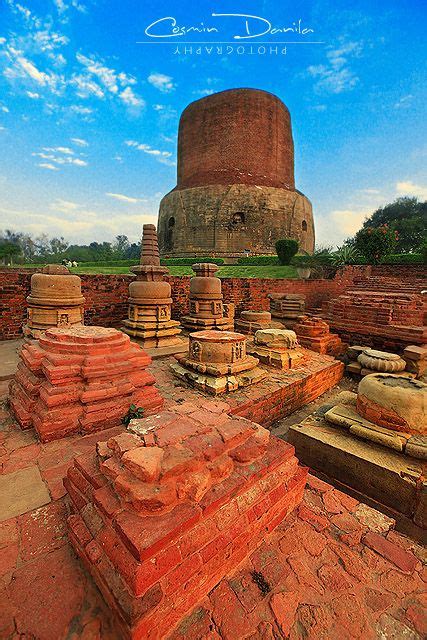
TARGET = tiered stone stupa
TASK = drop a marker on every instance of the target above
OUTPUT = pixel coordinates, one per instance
(168, 508)
(277, 348)
(55, 301)
(252, 321)
(217, 362)
(287, 307)
(207, 310)
(313, 333)
(389, 410)
(150, 301)
(79, 380)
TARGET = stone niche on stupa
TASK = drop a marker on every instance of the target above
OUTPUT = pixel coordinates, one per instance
(149, 315)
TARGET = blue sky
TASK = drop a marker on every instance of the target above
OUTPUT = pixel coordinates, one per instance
(88, 117)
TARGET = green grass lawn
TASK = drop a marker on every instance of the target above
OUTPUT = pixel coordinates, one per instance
(231, 271)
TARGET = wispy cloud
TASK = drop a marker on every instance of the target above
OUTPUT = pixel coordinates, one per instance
(65, 206)
(80, 142)
(48, 165)
(123, 198)
(59, 156)
(404, 102)
(162, 82)
(336, 75)
(408, 188)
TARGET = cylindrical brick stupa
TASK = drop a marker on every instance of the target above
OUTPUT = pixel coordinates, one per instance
(236, 190)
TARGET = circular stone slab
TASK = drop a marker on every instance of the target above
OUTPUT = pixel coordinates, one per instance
(393, 402)
(217, 346)
(381, 361)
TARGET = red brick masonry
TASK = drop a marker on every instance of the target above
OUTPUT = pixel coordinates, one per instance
(165, 512)
(106, 295)
(319, 575)
(80, 379)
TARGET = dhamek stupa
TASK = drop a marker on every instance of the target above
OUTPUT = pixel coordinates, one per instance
(235, 186)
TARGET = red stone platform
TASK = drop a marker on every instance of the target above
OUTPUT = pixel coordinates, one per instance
(167, 509)
(333, 570)
(281, 393)
(80, 379)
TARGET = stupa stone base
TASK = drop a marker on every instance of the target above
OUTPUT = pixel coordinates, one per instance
(79, 380)
(388, 477)
(217, 362)
(153, 335)
(164, 511)
(216, 384)
(191, 323)
(346, 416)
(276, 348)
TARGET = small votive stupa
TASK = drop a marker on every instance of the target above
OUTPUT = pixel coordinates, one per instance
(390, 410)
(277, 348)
(207, 310)
(55, 301)
(150, 302)
(217, 362)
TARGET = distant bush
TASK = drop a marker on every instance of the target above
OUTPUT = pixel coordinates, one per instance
(286, 249)
(259, 260)
(405, 258)
(109, 263)
(175, 262)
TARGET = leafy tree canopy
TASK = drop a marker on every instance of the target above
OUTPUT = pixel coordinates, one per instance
(407, 216)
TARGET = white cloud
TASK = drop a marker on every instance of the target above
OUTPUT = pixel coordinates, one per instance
(65, 150)
(83, 111)
(64, 206)
(408, 188)
(404, 102)
(129, 98)
(48, 165)
(147, 149)
(203, 92)
(33, 95)
(336, 76)
(98, 79)
(4, 109)
(80, 142)
(65, 157)
(123, 198)
(162, 82)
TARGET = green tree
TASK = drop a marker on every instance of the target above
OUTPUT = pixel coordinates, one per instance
(8, 250)
(374, 244)
(286, 249)
(407, 216)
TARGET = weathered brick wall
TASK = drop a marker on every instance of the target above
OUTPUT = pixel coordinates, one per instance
(106, 295)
